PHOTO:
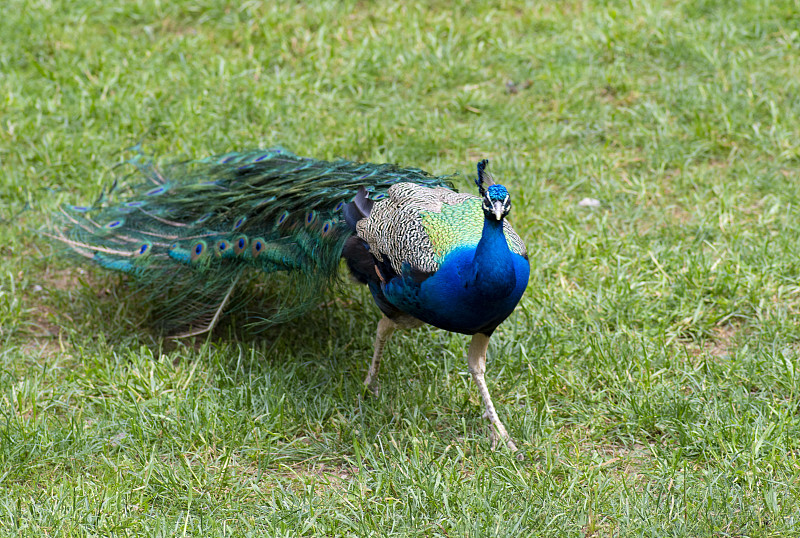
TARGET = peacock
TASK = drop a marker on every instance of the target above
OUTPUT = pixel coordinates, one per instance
(193, 236)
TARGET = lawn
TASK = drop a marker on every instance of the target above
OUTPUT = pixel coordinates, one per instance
(649, 374)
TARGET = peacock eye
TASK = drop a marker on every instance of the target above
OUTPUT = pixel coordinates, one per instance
(256, 247)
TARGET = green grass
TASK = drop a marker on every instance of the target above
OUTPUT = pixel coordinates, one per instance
(649, 374)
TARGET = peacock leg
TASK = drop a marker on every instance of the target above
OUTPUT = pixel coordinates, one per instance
(476, 359)
(385, 329)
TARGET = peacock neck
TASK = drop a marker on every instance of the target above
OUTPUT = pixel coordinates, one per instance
(493, 264)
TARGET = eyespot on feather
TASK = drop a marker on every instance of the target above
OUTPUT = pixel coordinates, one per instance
(114, 224)
(257, 247)
(199, 249)
(311, 216)
(282, 218)
(239, 223)
(240, 245)
(327, 227)
(222, 247)
(143, 250)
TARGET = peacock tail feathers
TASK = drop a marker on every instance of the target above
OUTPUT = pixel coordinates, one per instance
(194, 234)
(424, 225)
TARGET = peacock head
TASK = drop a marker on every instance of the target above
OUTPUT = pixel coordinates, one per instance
(496, 200)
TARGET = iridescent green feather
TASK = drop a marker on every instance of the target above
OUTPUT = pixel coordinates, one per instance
(194, 234)
(461, 225)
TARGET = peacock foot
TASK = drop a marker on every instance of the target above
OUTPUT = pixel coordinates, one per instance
(500, 434)
(371, 386)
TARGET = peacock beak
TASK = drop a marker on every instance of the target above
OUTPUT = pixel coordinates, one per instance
(498, 209)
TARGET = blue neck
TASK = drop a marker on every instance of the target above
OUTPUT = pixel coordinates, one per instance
(494, 268)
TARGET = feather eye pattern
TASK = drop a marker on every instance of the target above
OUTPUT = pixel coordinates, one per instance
(193, 233)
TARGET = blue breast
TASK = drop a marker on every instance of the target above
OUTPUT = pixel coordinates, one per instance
(469, 293)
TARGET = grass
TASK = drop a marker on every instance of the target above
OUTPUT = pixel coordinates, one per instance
(649, 374)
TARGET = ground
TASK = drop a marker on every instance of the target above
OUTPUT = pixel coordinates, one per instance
(649, 374)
